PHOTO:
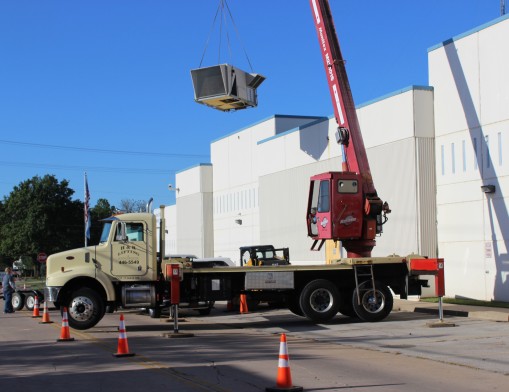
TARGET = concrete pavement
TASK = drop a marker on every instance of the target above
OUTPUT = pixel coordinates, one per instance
(474, 312)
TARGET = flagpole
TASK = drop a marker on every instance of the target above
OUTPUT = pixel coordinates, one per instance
(86, 213)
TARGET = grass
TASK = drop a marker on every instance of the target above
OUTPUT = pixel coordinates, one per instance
(468, 301)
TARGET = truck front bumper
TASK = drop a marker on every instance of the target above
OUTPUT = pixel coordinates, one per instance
(51, 293)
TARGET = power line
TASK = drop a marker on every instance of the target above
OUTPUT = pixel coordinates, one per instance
(89, 168)
(103, 151)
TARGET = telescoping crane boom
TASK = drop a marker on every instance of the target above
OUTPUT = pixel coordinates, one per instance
(343, 206)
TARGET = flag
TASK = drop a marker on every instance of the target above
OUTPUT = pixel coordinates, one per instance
(88, 223)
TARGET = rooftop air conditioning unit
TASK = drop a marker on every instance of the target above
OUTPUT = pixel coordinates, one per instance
(225, 87)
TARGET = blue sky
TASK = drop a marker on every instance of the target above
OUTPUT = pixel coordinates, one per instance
(104, 87)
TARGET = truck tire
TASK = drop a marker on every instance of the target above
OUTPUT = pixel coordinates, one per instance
(320, 300)
(30, 301)
(18, 301)
(374, 305)
(85, 309)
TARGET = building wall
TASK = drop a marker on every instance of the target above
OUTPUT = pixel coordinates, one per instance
(237, 164)
(469, 74)
(402, 163)
(430, 151)
(170, 215)
(195, 233)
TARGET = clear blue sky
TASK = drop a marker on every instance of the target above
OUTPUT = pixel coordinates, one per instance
(104, 86)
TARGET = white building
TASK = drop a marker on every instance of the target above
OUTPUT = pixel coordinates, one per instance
(430, 148)
(470, 74)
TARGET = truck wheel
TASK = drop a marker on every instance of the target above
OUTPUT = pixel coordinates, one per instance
(375, 305)
(319, 300)
(18, 301)
(85, 308)
(30, 301)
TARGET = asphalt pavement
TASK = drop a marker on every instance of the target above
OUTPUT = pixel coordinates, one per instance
(238, 352)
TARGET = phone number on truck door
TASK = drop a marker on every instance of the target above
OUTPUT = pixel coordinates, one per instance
(129, 262)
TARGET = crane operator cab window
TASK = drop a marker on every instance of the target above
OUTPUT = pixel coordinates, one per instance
(324, 197)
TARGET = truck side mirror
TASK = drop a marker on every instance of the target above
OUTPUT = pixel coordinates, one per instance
(123, 235)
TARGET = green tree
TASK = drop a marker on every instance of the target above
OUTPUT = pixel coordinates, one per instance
(101, 210)
(39, 215)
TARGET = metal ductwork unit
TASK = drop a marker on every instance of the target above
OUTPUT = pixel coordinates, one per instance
(225, 87)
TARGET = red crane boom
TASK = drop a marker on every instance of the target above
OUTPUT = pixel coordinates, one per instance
(343, 206)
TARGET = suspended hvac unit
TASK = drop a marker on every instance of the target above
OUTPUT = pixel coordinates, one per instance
(225, 87)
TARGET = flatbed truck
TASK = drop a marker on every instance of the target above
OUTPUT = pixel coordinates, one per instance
(125, 270)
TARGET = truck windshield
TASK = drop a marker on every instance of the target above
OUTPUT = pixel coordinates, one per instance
(106, 232)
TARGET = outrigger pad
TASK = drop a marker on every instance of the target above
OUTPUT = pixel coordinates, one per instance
(225, 87)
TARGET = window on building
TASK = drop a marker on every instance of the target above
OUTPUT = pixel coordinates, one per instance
(476, 157)
(442, 154)
(488, 157)
(453, 159)
(464, 155)
(500, 149)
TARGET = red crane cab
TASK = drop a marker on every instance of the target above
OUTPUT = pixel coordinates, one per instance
(339, 210)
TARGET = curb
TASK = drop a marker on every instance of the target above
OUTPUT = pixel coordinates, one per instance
(453, 310)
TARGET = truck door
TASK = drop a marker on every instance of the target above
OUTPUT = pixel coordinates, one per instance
(319, 209)
(129, 251)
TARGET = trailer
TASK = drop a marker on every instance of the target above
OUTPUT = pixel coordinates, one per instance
(25, 298)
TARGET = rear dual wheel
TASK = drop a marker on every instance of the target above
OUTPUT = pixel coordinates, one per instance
(372, 305)
(320, 300)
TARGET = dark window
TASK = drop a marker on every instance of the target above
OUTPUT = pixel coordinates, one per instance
(324, 197)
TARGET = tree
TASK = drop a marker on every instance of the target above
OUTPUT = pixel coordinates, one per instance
(102, 210)
(39, 215)
(131, 205)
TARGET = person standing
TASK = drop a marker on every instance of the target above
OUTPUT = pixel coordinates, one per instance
(9, 287)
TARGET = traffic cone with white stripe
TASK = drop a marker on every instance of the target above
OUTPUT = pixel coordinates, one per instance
(122, 347)
(45, 315)
(284, 376)
(36, 313)
(65, 334)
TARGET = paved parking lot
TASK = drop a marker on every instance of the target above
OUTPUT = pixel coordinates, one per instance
(232, 352)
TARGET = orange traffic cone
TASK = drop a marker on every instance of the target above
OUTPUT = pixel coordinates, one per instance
(122, 348)
(36, 313)
(284, 376)
(45, 315)
(243, 304)
(65, 335)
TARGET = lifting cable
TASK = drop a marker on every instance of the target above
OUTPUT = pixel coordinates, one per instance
(223, 19)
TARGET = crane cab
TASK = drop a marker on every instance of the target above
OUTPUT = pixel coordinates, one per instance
(339, 210)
